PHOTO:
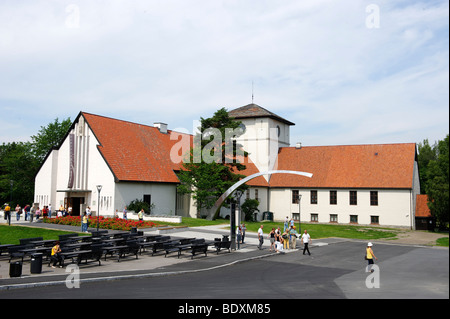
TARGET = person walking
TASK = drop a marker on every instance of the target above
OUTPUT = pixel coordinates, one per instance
(18, 212)
(84, 223)
(7, 211)
(272, 236)
(285, 237)
(260, 237)
(293, 235)
(243, 228)
(370, 256)
(141, 215)
(306, 239)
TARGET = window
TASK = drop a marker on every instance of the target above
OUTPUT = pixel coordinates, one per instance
(333, 218)
(256, 194)
(375, 220)
(247, 194)
(314, 217)
(353, 219)
(295, 196)
(333, 197)
(373, 198)
(353, 198)
(313, 197)
(148, 200)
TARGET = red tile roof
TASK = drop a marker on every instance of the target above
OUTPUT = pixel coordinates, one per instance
(354, 166)
(422, 209)
(134, 152)
(141, 153)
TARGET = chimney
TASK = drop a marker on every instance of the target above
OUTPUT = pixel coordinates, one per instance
(298, 145)
(162, 127)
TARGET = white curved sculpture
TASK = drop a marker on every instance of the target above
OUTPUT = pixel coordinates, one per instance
(230, 190)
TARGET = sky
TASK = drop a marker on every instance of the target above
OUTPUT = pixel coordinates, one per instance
(345, 72)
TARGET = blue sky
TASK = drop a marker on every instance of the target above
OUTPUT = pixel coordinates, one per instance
(346, 72)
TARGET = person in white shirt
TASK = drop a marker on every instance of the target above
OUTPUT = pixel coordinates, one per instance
(306, 239)
(260, 237)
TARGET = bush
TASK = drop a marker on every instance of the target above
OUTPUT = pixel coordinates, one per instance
(136, 206)
(249, 207)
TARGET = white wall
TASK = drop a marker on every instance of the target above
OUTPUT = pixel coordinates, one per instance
(394, 206)
(163, 196)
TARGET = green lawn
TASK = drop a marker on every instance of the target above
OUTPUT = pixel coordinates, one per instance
(12, 234)
(315, 230)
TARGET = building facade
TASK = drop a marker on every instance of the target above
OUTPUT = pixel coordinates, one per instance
(374, 184)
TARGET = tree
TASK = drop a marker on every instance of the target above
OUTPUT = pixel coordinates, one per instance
(49, 137)
(17, 170)
(249, 207)
(20, 161)
(437, 184)
(434, 178)
(211, 165)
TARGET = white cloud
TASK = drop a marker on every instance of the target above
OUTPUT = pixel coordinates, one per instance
(313, 62)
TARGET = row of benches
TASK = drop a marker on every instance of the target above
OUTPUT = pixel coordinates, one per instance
(127, 244)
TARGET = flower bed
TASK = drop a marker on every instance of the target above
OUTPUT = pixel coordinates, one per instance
(104, 223)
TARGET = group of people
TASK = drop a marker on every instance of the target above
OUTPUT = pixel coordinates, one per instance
(28, 211)
(279, 241)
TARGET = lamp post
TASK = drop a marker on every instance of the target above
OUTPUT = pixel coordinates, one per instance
(299, 201)
(238, 195)
(99, 189)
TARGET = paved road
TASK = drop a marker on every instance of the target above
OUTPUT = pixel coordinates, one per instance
(335, 270)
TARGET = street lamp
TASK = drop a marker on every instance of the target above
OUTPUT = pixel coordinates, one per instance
(299, 227)
(237, 194)
(99, 189)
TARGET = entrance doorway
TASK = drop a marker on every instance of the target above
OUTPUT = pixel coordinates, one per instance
(75, 203)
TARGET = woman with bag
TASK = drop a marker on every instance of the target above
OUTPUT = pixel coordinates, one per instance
(370, 256)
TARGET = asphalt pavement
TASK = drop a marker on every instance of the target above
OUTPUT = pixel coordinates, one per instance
(335, 269)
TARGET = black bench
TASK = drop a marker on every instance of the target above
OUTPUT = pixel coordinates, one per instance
(175, 246)
(222, 245)
(15, 251)
(158, 245)
(199, 248)
(4, 248)
(25, 241)
(131, 247)
(94, 254)
(66, 237)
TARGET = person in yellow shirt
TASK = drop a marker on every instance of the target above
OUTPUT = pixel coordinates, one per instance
(55, 256)
(370, 256)
(8, 213)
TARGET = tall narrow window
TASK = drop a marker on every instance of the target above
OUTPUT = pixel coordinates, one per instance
(148, 200)
(313, 197)
(353, 198)
(295, 196)
(333, 197)
(373, 198)
(256, 194)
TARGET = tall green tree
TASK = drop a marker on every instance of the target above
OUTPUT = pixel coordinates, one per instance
(434, 175)
(17, 170)
(48, 137)
(211, 167)
(20, 161)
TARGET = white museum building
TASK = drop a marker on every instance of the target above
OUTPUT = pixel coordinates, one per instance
(375, 184)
